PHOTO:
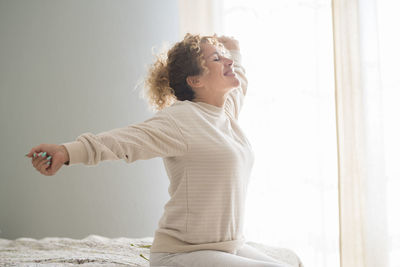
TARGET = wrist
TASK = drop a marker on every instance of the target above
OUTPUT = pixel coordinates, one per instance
(66, 154)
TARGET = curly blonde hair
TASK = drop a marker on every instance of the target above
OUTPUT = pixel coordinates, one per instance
(166, 79)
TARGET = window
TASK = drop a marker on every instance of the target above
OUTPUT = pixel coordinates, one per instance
(289, 118)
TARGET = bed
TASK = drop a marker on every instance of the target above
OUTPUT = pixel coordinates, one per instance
(96, 250)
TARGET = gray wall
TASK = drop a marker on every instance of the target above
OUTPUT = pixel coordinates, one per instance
(66, 68)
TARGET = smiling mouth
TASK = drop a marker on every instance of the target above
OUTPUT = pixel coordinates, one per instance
(230, 73)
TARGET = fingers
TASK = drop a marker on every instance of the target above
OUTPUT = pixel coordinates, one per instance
(229, 43)
(41, 162)
(30, 154)
(36, 149)
(47, 158)
(42, 167)
(39, 159)
(224, 38)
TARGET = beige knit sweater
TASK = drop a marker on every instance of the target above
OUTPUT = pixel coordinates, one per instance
(208, 161)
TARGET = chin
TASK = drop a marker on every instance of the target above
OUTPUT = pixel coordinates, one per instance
(233, 84)
(236, 83)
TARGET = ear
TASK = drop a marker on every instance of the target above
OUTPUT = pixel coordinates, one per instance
(194, 81)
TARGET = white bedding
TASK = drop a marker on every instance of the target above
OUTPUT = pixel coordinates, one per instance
(96, 250)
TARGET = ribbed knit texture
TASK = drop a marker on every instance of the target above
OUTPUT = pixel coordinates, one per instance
(208, 161)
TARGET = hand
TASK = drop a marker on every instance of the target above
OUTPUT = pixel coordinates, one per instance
(54, 158)
(229, 42)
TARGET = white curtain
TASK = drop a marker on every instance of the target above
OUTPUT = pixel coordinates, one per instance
(386, 67)
(365, 84)
(199, 17)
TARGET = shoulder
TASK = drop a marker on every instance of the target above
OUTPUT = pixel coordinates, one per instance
(179, 109)
(176, 114)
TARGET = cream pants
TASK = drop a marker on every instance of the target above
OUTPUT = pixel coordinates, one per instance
(245, 256)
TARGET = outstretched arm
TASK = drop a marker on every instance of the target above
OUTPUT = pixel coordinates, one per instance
(158, 136)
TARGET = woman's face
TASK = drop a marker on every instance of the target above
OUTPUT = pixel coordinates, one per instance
(220, 76)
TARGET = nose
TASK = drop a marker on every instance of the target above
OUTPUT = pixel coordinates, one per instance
(228, 61)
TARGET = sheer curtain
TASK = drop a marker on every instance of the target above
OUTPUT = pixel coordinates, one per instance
(387, 48)
(199, 17)
(367, 82)
(385, 66)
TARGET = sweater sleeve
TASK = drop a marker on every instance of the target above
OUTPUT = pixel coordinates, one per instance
(158, 136)
(235, 99)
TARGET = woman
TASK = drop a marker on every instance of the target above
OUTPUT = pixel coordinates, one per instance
(198, 89)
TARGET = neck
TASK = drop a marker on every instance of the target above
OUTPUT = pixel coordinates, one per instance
(217, 101)
(214, 101)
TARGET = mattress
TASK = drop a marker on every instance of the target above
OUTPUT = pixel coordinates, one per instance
(96, 250)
